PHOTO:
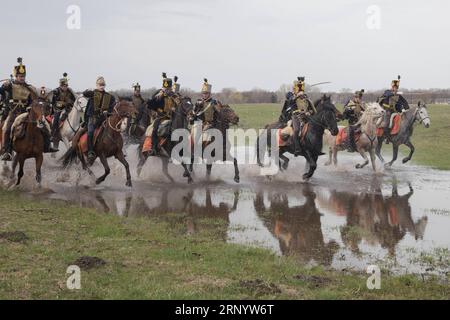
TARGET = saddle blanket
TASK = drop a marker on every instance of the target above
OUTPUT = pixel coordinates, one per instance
(83, 143)
(395, 125)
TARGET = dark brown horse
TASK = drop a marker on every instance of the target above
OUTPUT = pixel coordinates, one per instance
(109, 143)
(224, 118)
(28, 141)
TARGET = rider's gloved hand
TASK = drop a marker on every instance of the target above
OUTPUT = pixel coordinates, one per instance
(105, 113)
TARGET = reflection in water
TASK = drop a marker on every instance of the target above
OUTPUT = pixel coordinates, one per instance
(378, 219)
(292, 216)
(297, 228)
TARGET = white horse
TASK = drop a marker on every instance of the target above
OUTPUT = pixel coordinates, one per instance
(367, 142)
(72, 123)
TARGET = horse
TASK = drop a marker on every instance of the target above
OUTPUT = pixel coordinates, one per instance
(417, 113)
(311, 141)
(71, 124)
(28, 141)
(179, 121)
(109, 143)
(367, 141)
(224, 117)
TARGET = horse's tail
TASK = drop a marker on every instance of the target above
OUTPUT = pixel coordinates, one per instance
(69, 157)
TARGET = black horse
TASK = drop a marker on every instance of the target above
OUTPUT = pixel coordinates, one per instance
(311, 143)
(179, 121)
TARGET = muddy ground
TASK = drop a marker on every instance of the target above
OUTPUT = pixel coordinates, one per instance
(342, 218)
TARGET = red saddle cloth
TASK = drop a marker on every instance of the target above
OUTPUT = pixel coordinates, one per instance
(343, 135)
(49, 119)
(395, 126)
(83, 143)
(148, 144)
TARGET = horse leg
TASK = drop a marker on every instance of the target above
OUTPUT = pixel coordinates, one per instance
(395, 154)
(39, 159)
(312, 161)
(56, 145)
(363, 154)
(335, 152)
(121, 158)
(13, 167)
(165, 168)
(330, 156)
(142, 159)
(285, 164)
(236, 171)
(20, 173)
(411, 151)
(104, 162)
(378, 149)
(373, 159)
(187, 173)
(208, 171)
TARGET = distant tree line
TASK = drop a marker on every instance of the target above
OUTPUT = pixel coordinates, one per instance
(233, 96)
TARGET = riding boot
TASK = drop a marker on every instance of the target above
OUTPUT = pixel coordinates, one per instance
(386, 135)
(297, 145)
(91, 153)
(47, 143)
(154, 150)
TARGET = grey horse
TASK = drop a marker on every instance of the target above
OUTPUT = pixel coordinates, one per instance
(417, 113)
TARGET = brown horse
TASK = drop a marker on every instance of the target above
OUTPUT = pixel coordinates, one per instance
(109, 142)
(28, 140)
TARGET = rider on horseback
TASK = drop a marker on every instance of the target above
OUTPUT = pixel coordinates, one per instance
(353, 110)
(303, 108)
(164, 102)
(100, 104)
(392, 102)
(20, 95)
(206, 108)
(139, 104)
(62, 102)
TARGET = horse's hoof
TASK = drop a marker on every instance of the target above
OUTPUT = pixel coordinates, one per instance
(285, 166)
(405, 160)
(358, 166)
(98, 181)
(185, 174)
(388, 165)
(190, 180)
(129, 184)
(236, 179)
(306, 177)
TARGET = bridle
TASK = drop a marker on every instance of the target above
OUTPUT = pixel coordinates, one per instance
(421, 120)
(116, 128)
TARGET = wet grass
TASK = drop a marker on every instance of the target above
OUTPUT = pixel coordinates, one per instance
(156, 258)
(432, 144)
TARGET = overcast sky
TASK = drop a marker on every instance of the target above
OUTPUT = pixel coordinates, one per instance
(243, 44)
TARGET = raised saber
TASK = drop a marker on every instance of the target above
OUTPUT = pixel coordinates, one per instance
(318, 84)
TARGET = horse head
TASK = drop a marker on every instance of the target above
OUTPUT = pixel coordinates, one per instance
(228, 116)
(80, 104)
(422, 115)
(326, 114)
(124, 109)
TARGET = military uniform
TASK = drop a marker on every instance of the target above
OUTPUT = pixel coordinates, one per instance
(392, 102)
(100, 104)
(207, 109)
(353, 110)
(164, 102)
(20, 97)
(140, 105)
(303, 108)
(62, 102)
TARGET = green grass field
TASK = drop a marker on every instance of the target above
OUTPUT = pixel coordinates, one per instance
(155, 258)
(432, 144)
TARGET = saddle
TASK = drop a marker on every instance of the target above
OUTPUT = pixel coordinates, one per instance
(81, 138)
(343, 137)
(284, 134)
(394, 125)
(49, 119)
